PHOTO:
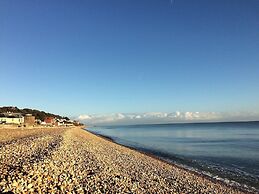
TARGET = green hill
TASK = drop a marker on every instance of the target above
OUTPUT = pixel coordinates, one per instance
(37, 113)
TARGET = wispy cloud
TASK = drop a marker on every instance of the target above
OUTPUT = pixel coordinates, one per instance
(162, 117)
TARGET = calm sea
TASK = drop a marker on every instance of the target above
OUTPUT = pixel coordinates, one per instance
(227, 151)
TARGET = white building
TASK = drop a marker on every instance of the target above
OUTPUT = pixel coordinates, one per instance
(11, 118)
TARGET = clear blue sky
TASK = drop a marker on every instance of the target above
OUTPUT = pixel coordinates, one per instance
(99, 56)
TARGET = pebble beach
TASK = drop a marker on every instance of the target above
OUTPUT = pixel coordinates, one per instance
(72, 160)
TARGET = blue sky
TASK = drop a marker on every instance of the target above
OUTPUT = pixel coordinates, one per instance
(130, 56)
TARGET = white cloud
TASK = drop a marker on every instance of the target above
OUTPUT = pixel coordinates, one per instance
(162, 117)
(84, 117)
(138, 117)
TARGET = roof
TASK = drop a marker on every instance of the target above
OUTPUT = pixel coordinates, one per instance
(11, 115)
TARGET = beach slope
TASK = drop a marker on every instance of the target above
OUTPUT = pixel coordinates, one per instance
(74, 160)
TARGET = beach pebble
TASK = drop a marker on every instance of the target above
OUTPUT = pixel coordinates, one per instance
(71, 160)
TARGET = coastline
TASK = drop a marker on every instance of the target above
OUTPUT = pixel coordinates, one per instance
(193, 171)
(59, 160)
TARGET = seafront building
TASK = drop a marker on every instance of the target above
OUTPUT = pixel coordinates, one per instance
(17, 119)
(11, 118)
(29, 120)
(49, 120)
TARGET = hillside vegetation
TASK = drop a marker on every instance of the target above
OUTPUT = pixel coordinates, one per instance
(37, 113)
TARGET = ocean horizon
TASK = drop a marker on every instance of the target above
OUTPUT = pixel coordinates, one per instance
(173, 123)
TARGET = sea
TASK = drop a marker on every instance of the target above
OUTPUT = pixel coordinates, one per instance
(226, 151)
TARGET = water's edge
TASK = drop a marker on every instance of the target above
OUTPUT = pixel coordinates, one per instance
(190, 169)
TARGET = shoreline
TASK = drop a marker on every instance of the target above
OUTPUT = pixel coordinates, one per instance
(74, 160)
(192, 171)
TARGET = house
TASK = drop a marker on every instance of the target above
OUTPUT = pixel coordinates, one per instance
(29, 120)
(49, 120)
(11, 118)
(38, 122)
